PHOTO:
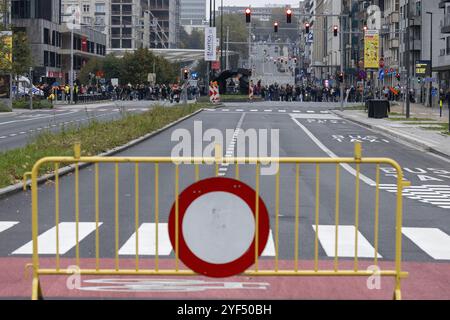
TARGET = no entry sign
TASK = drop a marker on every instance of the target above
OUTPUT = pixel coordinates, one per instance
(216, 227)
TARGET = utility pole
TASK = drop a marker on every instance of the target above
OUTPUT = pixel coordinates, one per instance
(342, 60)
(431, 57)
(228, 36)
(221, 35)
(408, 74)
(31, 88)
(71, 62)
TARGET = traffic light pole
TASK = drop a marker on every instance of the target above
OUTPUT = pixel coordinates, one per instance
(342, 62)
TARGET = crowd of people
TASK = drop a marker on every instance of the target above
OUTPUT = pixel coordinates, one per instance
(158, 92)
(316, 93)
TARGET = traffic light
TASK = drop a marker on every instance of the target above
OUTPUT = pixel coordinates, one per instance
(307, 28)
(335, 31)
(186, 74)
(365, 28)
(289, 16)
(248, 14)
(341, 77)
(275, 27)
(419, 80)
(398, 76)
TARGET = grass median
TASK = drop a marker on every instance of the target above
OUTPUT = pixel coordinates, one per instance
(95, 137)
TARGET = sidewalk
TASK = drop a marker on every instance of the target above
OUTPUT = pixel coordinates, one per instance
(417, 133)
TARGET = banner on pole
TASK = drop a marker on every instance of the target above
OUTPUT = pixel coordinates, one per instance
(371, 49)
(210, 44)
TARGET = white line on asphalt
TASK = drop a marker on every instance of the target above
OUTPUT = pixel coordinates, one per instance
(434, 242)
(38, 118)
(348, 168)
(269, 250)
(346, 242)
(2, 137)
(268, 110)
(240, 110)
(67, 238)
(13, 135)
(316, 116)
(5, 225)
(147, 241)
(231, 146)
(253, 110)
(282, 111)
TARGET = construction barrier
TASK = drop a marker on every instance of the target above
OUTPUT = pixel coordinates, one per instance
(135, 167)
(214, 95)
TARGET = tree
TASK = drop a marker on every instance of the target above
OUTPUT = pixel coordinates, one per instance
(195, 40)
(91, 67)
(21, 51)
(238, 33)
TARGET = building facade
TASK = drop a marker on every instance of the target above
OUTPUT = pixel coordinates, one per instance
(192, 12)
(132, 24)
(50, 39)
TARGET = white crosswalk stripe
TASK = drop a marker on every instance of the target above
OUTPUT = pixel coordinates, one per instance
(269, 250)
(67, 238)
(346, 242)
(5, 225)
(438, 195)
(434, 242)
(147, 241)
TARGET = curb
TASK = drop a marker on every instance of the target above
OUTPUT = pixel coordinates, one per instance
(18, 187)
(399, 136)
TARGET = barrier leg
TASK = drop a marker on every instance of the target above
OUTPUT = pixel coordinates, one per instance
(36, 293)
(397, 291)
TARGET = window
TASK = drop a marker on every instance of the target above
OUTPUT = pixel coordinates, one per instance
(52, 59)
(46, 36)
(126, 20)
(87, 20)
(86, 8)
(115, 32)
(53, 38)
(126, 32)
(100, 7)
(115, 20)
(126, 9)
(45, 58)
(115, 43)
(126, 43)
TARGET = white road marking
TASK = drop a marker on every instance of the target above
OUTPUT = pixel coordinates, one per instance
(2, 137)
(268, 110)
(348, 168)
(269, 250)
(282, 111)
(316, 116)
(5, 225)
(231, 146)
(38, 118)
(434, 242)
(346, 242)
(147, 241)
(67, 238)
(434, 195)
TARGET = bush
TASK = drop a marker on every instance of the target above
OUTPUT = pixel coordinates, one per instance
(24, 103)
(4, 107)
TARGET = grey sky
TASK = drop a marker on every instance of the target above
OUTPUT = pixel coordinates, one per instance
(253, 3)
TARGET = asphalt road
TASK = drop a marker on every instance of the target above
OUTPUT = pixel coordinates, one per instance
(17, 129)
(266, 69)
(305, 130)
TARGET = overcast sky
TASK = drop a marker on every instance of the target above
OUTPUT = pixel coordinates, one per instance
(254, 3)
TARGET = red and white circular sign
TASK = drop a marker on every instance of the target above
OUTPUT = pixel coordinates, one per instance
(216, 227)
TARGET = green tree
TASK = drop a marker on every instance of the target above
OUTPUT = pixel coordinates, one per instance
(195, 40)
(21, 52)
(112, 66)
(238, 33)
(91, 67)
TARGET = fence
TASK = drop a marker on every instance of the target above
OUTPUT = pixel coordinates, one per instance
(237, 164)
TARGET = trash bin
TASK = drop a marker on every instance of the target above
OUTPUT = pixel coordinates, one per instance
(378, 109)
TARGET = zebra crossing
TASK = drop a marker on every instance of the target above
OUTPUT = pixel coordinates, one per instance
(438, 195)
(434, 242)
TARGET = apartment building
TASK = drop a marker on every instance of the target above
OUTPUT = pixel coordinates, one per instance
(131, 24)
(50, 39)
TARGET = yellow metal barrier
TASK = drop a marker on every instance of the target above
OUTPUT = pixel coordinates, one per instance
(357, 160)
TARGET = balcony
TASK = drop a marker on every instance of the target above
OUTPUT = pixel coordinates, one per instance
(445, 24)
(394, 43)
(442, 3)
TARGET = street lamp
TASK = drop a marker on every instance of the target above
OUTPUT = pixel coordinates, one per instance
(431, 57)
